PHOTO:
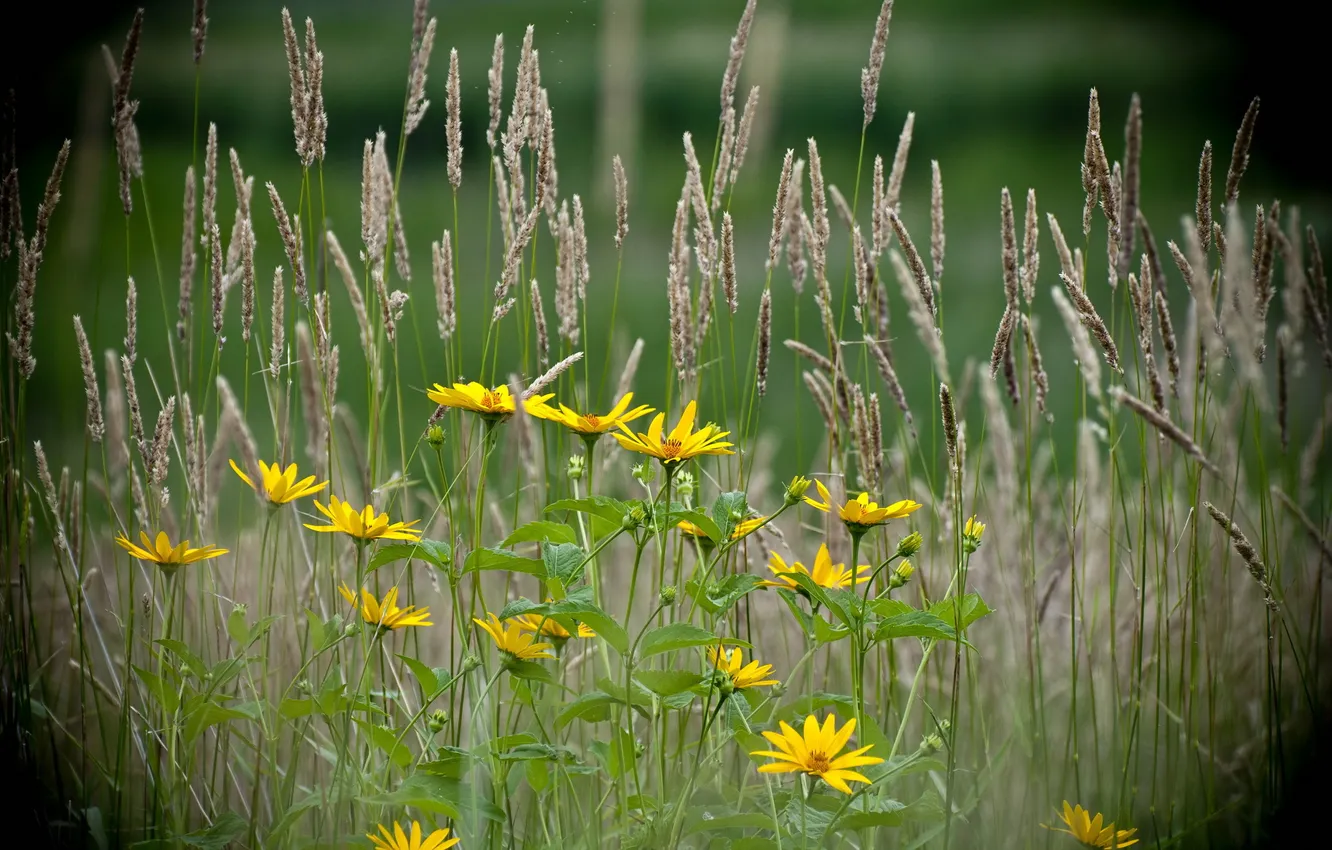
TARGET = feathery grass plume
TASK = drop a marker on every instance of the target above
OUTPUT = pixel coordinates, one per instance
(1239, 305)
(96, 426)
(117, 445)
(949, 418)
(289, 244)
(1132, 180)
(677, 294)
(1083, 352)
(1011, 376)
(29, 262)
(566, 283)
(131, 320)
(883, 358)
(916, 266)
(1315, 295)
(742, 134)
(381, 187)
(370, 213)
(1037, 364)
(1153, 255)
(630, 369)
(937, 239)
(199, 31)
(1239, 154)
(621, 201)
(582, 271)
(244, 187)
(1168, 340)
(796, 223)
(542, 183)
(818, 245)
(386, 311)
(11, 219)
(728, 263)
(316, 119)
(1203, 206)
(548, 378)
(353, 287)
(279, 328)
(1031, 257)
(1172, 431)
(1003, 339)
(209, 184)
(878, 212)
(810, 354)
(737, 55)
(539, 320)
(919, 313)
(417, 103)
(1201, 291)
(299, 120)
(999, 440)
(1091, 185)
(705, 245)
(536, 109)
(779, 211)
(1070, 268)
(247, 280)
(453, 106)
(861, 434)
(160, 454)
(1108, 186)
(823, 401)
(876, 436)
(510, 271)
(1264, 287)
(129, 156)
(1242, 546)
(1143, 303)
(502, 198)
(495, 90)
(442, 259)
(1315, 534)
(1313, 449)
(1295, 284)
(764, 340)
(1008, 238)
(44, 476)
(721, 169)
(869, 75)
(892, 197)
(402, 259)
(1092, 320)
(311, 406)
(215, 278)
(188, 256)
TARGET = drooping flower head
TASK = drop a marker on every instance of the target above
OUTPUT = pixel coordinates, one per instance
(493, 405)
(161, 552)
(1090, 831)
(740, 675)
(546, 627)
(816, 752)
(385, 613)
(364, 524)
(279, 485)
(681, 444)
(744, 528)
(586, 424)
(513, 640)
(825, 572)
(400, 840)
(860, 514)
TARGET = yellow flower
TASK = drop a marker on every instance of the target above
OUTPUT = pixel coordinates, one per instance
(742, 529)
(386, 612)
(971, 535)
(682, 444)
(587, 424)
(511, 639)
(363, 525)
(493, 404)
(816, 752)
(860, 513)
(166, 556)
(825, 572)
(1089, 830)
(795, 491)
(751, 675)
(399, 840)
(280, 486)
(547, 627)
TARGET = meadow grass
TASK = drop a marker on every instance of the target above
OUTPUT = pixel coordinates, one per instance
(533, 608)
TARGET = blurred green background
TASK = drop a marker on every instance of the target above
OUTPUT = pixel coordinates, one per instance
(999, 91)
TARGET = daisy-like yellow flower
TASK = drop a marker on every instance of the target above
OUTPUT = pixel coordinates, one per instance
(385, 612)
(280, 485)
(493, 404)
(400, 840)
(816, 752)
(512, 639)
(547, 627)
(586, 424)
(161, 552)
(364, 524)
(860, 514)
(751, 675)
(825, 572)
(681, 444)
(742, 529)
(1090, 831)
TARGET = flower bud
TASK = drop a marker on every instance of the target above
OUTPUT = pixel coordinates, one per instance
(795, 491)
(470, 662)
(971, 535)
(684, 485)
(668, 595)
(644, 473)
(577, 463)
(909, 545)
(931, 744)
(901, 575)
(438, 719)
(435, 435)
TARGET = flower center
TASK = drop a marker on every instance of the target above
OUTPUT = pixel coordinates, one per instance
(592, 420)
(670, 448)
(817, 763)
(490, 400)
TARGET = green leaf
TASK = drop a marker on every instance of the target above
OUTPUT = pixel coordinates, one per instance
(541, 530)
(502, 559)
(531, 670)
(743, 820)
(223, 831)
(866, 813)
(386, 739)
(192, 665)
(728, 506)
(451, 764)
(664, 683)
(819, 595)
(718, 596)
(602, 506)
(564, 562)
(237, 628)
(161, 691)
(438, 795)
(592, 707)
(920, 624)
(435, 552)
(674, 636)
(973, 608)
(700, 519)
(211, 714)
(431, 679)
(826, 633)
(325, 632)
(579, 606)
